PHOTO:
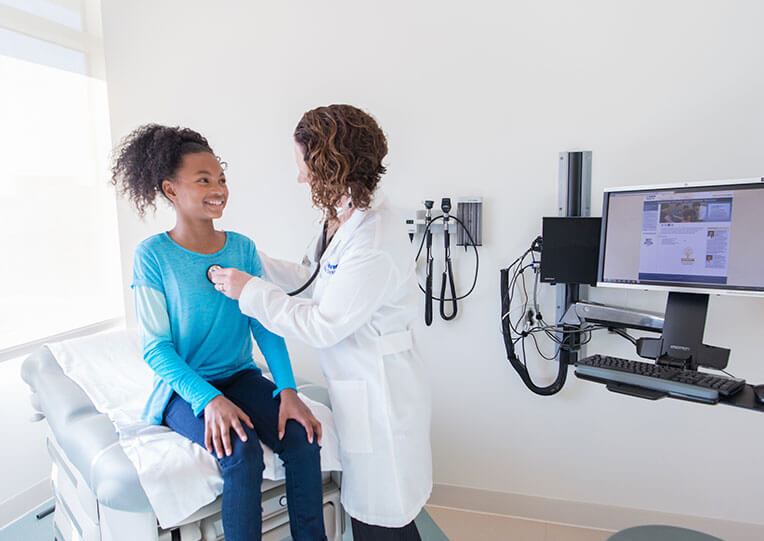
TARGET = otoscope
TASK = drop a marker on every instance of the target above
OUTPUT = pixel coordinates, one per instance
(448, 272)
(428, 278)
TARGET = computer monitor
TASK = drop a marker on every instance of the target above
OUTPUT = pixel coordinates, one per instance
(690, 239)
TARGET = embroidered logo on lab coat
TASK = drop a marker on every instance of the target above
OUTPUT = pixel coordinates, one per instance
(329, 268)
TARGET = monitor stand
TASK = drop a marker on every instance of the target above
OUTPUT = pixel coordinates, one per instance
(681, 344)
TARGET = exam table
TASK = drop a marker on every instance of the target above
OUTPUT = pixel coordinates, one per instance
(98, 495)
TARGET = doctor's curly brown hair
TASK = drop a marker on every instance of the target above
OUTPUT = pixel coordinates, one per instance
(344, 148)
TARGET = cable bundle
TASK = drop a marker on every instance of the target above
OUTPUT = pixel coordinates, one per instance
(531, 323)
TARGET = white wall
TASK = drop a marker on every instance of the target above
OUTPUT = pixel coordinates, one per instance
(478, 98)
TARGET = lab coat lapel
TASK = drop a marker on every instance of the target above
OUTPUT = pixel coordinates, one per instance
(347, 229)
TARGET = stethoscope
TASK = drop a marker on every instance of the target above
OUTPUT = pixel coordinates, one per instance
(320, 249)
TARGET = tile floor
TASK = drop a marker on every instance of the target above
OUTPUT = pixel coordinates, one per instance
(460, 525)
(437, 524)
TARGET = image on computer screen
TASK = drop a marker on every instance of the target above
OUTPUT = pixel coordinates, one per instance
(709, 237)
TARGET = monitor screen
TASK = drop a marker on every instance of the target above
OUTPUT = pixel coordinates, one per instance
(703, 237)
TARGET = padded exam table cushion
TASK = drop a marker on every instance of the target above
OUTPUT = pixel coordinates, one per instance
(89, 438)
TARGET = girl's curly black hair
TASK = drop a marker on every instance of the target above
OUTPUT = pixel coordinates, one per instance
(149, 155)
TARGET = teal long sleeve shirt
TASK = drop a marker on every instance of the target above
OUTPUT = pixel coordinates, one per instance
(191, 334)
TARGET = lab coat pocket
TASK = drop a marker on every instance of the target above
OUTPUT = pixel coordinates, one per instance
(350, 405)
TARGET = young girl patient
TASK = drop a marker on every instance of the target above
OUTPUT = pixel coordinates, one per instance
(199, 344)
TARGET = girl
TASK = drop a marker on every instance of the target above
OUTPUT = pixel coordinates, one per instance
(200, 345)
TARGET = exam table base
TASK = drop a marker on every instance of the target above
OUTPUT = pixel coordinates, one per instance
(80, 517)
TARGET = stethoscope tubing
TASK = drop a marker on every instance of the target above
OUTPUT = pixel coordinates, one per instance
(303, 287)
(321, 250)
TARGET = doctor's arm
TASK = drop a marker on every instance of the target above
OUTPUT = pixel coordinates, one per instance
(351, 297)
(285, 274)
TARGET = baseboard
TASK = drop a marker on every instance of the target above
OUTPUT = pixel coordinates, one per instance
(20, 504)
(583, 514)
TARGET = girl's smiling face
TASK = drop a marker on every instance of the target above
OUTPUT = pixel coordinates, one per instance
(199, 190)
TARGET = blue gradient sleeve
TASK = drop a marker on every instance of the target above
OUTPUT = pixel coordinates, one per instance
(146, 271)
(160, 353)
(276, 355)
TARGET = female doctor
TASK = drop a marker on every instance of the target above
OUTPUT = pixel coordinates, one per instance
(358, 314)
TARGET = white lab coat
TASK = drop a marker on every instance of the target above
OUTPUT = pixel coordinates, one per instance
(358, 314)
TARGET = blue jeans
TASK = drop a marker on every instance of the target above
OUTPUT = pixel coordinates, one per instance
(243, 470)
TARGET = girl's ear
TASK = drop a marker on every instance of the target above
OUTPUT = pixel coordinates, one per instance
(168, 188)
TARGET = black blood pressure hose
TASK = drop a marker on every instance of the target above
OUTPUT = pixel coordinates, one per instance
(448, 271)
(428, 277)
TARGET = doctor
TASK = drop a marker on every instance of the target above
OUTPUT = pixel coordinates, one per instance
(358, 314)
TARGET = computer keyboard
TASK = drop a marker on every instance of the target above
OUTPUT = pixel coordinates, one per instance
(674, 381)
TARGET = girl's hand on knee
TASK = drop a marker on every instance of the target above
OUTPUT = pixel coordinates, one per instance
(294, 408)
(220, 416)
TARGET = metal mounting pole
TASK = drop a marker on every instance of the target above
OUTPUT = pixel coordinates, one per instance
(574, 199)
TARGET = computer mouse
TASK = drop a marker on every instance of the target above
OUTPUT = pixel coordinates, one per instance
(758, 393)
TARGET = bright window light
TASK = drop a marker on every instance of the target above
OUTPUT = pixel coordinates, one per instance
(60, 268)
(16, 45)
(55, 11)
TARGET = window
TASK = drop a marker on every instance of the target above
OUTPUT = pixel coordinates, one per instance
(67, 13)
(60, 268)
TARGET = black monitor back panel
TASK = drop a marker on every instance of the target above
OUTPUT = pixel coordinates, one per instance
(571, 249)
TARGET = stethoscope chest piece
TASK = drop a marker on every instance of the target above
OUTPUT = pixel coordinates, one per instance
(210, 270)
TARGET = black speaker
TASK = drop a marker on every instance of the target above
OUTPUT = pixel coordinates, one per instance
(570, 250)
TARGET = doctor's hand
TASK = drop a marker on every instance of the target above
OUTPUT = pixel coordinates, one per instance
(220, 416)
(230, 282)
(294, 408)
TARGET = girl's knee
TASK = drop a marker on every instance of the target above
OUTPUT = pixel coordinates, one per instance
(244, 453)
(296, 439)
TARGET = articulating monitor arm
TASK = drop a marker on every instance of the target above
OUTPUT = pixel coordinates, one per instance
(624, 318)
(582, 313)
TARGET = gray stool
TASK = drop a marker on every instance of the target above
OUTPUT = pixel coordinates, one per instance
(660, 533)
